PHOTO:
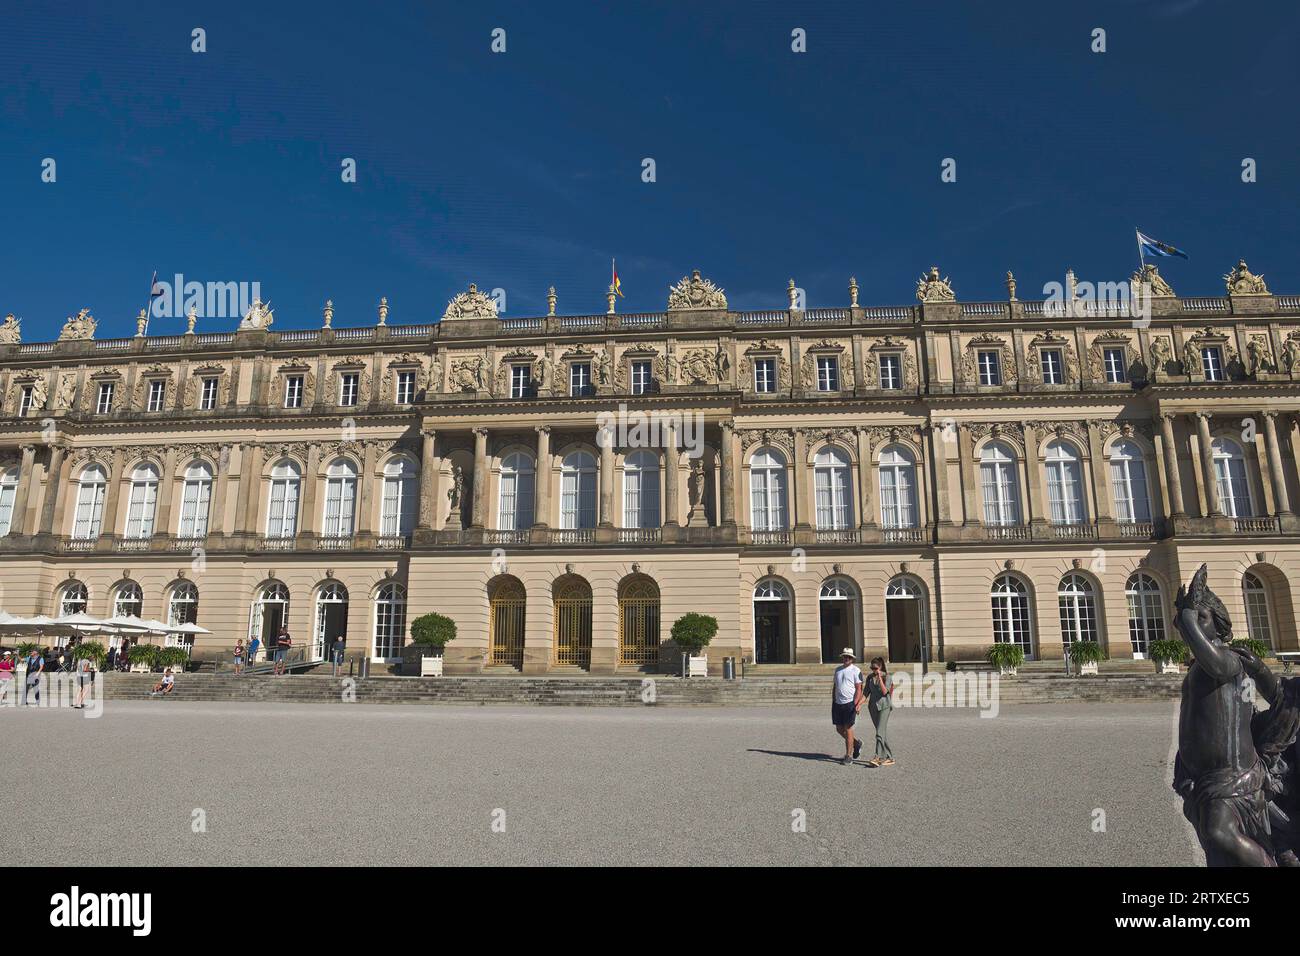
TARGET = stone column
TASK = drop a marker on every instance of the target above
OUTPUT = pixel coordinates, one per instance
(1101, 512)
(970, 491)
(939, 474)
(163, 519)
(1207, 465)
(542, 479)
(799, 476)
(217, 505)
(428, 477)
(729, 473)
(365, 497)
(1033, 481)
(250, 485)
(866, 478)
(478, 517)
(18, 524)
(1280, 494)
(670, 477)
(606, 441)
(308, 520)
(1171, 466)
(53, 485)
(112, 495)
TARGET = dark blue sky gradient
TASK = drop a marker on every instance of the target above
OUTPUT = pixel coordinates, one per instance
(523, 170)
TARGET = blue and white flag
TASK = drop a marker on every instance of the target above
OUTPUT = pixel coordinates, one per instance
(1154, 247)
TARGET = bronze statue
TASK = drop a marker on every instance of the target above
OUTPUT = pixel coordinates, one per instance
(1235, 767)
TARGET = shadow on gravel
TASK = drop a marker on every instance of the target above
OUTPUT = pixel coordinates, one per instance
(801, 756)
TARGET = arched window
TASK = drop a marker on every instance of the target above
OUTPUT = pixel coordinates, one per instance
(1011, 624)
(518, 492)
(282, 515)
(1259, 620)
(1128, 482)
(196, 499)
(1064, 483)
(638, 622)
(1146, 616)
(578, 491)
(90, 503)
(401, 498)
(8, 494)
(1001, 489)
(1078, 609)
(770, 589)
(144, 499)
(897, 488)
(767, 490)
(73, 600)
(340, 499)
(641, 491)
(1230, 478)
(834, 497)
(390, 621)
(183, 607)
(128, 601)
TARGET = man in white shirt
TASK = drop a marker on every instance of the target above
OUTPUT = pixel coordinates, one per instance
(846, 702)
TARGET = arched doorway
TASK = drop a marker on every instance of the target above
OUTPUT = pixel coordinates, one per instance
(507, 603)
(638, 622)
(839, 611)
(270, 611)
(572, 596)
(905, 620)
(773, 633)
(331, 618)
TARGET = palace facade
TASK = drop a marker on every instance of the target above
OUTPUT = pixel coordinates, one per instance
(905, 480)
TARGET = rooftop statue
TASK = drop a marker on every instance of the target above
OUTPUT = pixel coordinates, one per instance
(1235, 768)
(1150, 275)
(259, 317)
(82, 326)
(695, 293)
(930, 288)
(471, 304)
(10, 330)
(1241, 281)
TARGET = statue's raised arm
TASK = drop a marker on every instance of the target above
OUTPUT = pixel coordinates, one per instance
(1203, 621)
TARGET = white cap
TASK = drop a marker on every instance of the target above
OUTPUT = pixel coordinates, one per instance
(848, 652)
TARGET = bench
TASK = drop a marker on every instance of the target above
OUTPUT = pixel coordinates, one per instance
(1287, 658)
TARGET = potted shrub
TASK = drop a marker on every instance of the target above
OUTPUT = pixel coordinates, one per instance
(1256, 647)
(692, 633)
(143, 657)
(1086, 655)
(92, 651)
(174, 657)
(429, 636)
(1168, 653)
(1006, 658)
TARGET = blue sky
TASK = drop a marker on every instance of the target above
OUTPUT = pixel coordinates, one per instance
(523, 170)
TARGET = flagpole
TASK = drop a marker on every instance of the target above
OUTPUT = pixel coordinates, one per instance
(148, 305)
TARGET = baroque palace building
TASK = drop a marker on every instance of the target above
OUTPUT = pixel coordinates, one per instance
(928, 478)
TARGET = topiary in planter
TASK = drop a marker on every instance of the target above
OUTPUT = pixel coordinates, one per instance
(143, 654)
(26, 647)
(1256, 647)
(92, 651)
(1086, 652)
(1167, 649)
(692, 632)
(433, 630)
(1006, 656)
(174, 657)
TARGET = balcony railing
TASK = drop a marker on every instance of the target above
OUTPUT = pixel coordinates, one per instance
(1007, 532)
(1074, 532)
(506, 536)
(334, 542)
(393, 542)
(133, 544)
(904, 536)
(640, 535)
(573, 536)
(838, 536)
(1266, 525)
(269, 543)
(79, 544)
(1144, 530)
(771, 537)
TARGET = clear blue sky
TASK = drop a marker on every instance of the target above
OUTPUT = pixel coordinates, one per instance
(523, 169)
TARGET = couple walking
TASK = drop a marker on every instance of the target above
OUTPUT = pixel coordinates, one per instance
(846, 702)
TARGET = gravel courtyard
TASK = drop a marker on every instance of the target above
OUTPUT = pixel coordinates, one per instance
(354, 784)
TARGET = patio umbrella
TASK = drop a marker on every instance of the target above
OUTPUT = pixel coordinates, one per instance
(127, 624)
(189, 629)
(81, 621)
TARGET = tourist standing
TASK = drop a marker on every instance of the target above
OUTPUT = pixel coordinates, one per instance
(253, 645)
(880, 689)
(282, 644)
(6, 674)
(35, 665)
(846, 702)
(239, 656)
(85, 681)
(337, 654)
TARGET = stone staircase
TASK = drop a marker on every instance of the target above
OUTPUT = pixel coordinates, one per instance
(603, 691)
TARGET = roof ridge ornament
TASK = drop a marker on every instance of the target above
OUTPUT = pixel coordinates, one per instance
(80, 327)
(1150, 275)
(11, 331)
(930, 288)
(471, 304)
(695, 293)
(258, 318)
(1241, 281)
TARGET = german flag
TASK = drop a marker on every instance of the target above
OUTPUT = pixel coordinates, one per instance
(614, 283)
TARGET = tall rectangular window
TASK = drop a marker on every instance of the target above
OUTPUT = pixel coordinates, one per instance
(104, 400)
(25, 402)
(1116, 367)
(405, 388)
(521, 381)
(348, 385)
(580, 378)
(891, 373)
(990, 368)
(765, 375)
(1053, 374)
(640, 378)
(208, 400)
(293, 391)
(828, 373)
(157, 392)
(1212, 363)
